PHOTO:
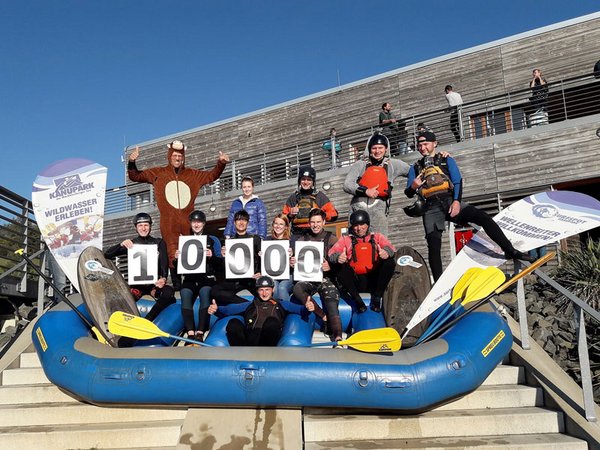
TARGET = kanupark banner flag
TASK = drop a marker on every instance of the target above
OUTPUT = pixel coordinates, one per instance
(68, 202)
(532, 222)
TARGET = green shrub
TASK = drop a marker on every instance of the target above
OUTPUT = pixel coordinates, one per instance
(579, 272)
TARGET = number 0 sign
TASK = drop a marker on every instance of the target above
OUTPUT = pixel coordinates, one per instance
(275, 260)
(309, 261)
(192, 254)
(239, 258)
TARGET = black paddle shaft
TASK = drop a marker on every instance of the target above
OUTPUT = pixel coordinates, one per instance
(457, 318)
(60, 293)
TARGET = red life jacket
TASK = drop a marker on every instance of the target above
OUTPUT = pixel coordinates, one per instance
(364, 254)
(377, 176)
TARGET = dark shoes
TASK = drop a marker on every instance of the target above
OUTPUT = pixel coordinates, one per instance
(522, 256)
(360, 305)
(376, 304)
(198, 337)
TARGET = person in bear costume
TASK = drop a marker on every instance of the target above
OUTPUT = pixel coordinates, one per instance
(175, 190)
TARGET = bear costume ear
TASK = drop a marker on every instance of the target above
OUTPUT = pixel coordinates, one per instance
(177, 145)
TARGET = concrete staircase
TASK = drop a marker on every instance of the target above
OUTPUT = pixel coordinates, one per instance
(34, 414)
(501, 414)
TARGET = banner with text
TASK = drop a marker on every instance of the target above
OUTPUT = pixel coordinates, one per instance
(68, 203)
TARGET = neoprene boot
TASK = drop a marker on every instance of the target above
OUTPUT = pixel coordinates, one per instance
(335, 328)
(516, 254)
(360, 305)
(376, 304)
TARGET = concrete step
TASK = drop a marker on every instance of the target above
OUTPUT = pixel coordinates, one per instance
(48, 414)
(498, 396)
(553, 441)
(28, 375)
(492, 396)
(32, 393)
(30, 359)
(506, 375)
(142, 434)
(453, 423)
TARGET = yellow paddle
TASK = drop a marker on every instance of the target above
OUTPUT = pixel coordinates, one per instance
(377, 340)
(135, 327)
(476, 303)
(484, 284)
(99, 336)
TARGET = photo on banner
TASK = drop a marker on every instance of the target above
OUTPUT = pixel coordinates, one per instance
(142, 264)
(239, 258)
(275, 259)
(309, 261)
(192, 254)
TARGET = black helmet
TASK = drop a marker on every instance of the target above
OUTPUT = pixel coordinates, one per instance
(265, 281)
(417, 209)
(197, 215)
(378, 138)
(307, 171)
(359, 217)
(142, 218)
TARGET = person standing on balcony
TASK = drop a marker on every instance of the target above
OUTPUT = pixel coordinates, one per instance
(454, 103)
(370, 181)
(539, 91)
(175, 189)
(394, 129)
(255, 208)
(335, 143)
(304, 199)
(436, 179)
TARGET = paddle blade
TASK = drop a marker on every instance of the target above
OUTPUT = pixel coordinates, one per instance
(459, 289)
(483, 285)
(378, 340)
(128, 325)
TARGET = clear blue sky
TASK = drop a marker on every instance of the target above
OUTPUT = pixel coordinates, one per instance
(84, 78)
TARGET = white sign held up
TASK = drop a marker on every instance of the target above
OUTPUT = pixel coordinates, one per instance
(192, 254)
(142, 263)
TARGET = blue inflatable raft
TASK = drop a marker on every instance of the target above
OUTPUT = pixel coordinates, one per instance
(290, 375)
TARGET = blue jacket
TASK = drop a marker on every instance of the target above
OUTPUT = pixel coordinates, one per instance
(258, 217)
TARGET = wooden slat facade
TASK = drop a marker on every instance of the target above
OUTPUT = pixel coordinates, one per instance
(520, 160)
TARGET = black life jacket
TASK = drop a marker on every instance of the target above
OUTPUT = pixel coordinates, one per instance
(364, 254)
(436, 178)
(376, 176)
(258, 312)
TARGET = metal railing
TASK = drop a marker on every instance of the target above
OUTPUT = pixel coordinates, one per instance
(487, 116)
(580, 309)
(18, 229)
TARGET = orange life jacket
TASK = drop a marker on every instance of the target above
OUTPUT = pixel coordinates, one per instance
(364, 254)
(377, 176)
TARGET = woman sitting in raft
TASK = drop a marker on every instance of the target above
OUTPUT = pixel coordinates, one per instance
(263, 317)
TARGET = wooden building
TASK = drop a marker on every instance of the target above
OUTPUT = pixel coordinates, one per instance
(504, 155)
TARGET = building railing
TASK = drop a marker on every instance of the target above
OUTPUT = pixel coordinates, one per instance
(505, 113)
(18, 229)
